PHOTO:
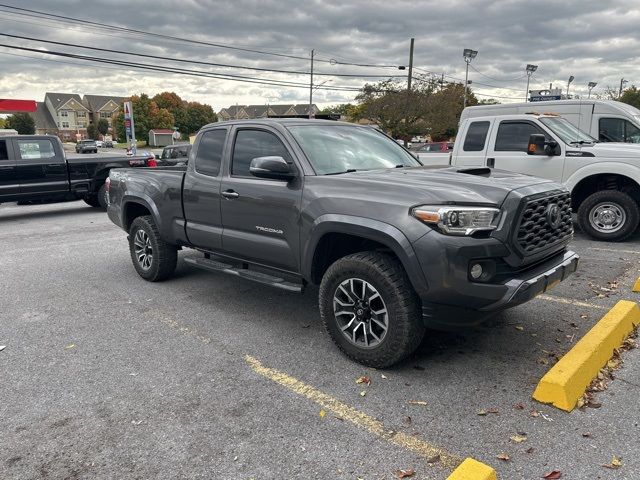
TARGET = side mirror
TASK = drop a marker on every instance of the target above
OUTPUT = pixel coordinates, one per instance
(538, 145)
(271, 167)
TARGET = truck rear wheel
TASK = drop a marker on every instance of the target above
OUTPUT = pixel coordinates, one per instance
(103, 198)
(152, 257)
(370, 310)
(609, 215)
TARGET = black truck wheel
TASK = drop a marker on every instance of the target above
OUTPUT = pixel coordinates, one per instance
(153, 258)
(609, 215)
(103, 198)
(370, 309)
(92, 200)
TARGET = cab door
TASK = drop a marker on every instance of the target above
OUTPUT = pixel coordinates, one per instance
(40, 170)
(261, 217)
(9, 184)
(473, 150)
(508, 151)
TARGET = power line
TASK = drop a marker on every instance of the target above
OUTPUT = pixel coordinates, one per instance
(496, 79)
(197, 73)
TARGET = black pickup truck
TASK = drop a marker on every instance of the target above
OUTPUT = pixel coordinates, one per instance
(394, 246)
(35, 167)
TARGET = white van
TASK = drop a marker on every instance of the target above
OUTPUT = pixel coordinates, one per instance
(606, 120)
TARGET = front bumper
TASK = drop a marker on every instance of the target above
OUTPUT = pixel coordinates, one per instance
(452, 300)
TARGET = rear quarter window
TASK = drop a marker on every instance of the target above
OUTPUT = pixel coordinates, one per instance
(35, 149)
(476, 137)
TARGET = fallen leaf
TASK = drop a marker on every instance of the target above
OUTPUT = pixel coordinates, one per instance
(364, 379)
(584, 317)
(70, 346)
(614, 465)
(519, 406)
(518, 438)
(492, 410)
(530, 450)
(586, 435)
(407, 419)
(136, 422)
(2, 347)
(543, 361)
(409, 472)
(322, 413)
(553, 475)
(534, 413)
(519, 327)
(417, 402)
(235, 458)
(482, 413)
(383, 376)
(363, 393)
(434, 459)
(503, 456)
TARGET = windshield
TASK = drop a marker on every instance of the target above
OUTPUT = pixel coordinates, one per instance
(568, 132)
(342, 148)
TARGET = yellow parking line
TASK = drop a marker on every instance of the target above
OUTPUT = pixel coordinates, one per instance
(569, 301)
(636, 286)
(358, 418)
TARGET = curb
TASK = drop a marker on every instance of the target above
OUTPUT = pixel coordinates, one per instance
(568, 379)
(472, 469)
(636, 287)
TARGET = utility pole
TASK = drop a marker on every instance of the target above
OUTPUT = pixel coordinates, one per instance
(311, 113)
(410, 65)
(622, 82)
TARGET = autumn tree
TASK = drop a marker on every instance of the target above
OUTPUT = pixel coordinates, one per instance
(443, 110)
(92, 131)
(176, 106)
(23, 123)
(146, 116)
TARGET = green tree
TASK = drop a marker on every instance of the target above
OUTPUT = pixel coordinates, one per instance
(443, 109)
(396, 110)
(2, 123)
(23, 123)
(343, 109)
(92, 131)
(631, 96)
(146, 116)
(103, 126)
(198, 115)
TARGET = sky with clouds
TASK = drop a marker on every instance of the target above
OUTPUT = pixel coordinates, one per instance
(593, 41)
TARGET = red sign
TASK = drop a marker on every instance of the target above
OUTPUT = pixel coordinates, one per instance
(17, 105)
(127, 122)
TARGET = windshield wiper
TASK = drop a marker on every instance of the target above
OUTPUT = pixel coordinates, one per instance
(581, 142)
(349, 170)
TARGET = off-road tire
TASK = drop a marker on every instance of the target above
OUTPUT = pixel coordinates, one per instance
(623, 200)
(102, 196)
(386, 274)
(164, 255)
(92, 200)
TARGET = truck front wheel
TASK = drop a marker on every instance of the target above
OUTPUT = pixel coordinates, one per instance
(609, 215)
(152, 257)
(370, 310)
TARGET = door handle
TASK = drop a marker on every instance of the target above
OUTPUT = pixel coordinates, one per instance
(491, 162)
(230, 194)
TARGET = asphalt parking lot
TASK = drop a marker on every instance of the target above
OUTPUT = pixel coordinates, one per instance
(210, 376)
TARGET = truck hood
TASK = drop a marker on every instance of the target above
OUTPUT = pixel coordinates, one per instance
(611, 150)
(442, 184)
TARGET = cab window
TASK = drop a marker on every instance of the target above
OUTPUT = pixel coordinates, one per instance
(252, 144)
(209, 153)
(618, 130)
(514, 136)
(35, 149)
(476, 137)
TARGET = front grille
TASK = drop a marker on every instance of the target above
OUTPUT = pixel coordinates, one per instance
(535, 230)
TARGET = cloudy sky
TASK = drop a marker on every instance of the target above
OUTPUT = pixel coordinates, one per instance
(593, 41)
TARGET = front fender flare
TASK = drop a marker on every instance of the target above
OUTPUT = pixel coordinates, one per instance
(374, 230)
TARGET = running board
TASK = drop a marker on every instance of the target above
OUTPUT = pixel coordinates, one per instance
(265, 279)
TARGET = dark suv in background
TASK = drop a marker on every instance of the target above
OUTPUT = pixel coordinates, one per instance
(87, 146)
(174, 154)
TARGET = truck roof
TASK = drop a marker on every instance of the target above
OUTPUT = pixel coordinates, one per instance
(280, 121)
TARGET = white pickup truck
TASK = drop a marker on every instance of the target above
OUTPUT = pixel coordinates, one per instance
(604, 178)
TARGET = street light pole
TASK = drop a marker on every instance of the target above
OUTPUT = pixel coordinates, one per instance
(590, 87)
(468, 55)
(530, 69)
(571, 78)
(622, 83)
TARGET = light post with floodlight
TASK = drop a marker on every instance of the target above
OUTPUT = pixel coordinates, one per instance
(468, 55)
(571, 78)
(530, 69)
(590, 87)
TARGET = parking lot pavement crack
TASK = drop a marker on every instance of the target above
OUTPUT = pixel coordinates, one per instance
(356, 417)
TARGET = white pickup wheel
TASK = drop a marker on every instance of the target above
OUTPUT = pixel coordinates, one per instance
(609, 215)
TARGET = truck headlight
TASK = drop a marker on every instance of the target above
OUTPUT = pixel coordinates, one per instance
(458, 220)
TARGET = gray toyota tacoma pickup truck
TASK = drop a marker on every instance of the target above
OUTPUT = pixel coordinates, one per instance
(394, 246)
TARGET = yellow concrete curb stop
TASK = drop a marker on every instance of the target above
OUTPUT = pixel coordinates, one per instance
(472, 469)
(636, 287)
(568, 379)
